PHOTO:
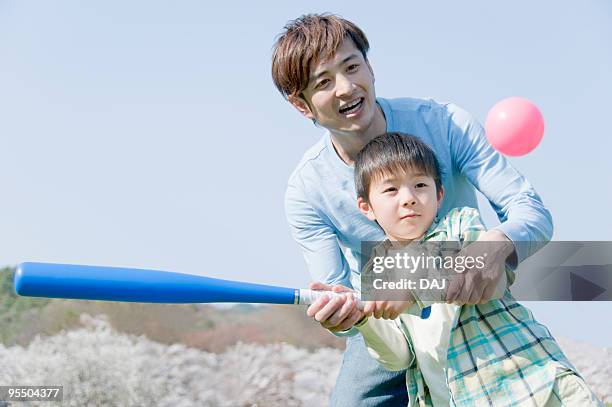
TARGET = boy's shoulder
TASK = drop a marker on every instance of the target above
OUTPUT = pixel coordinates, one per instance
(458, 224)
(461, 214)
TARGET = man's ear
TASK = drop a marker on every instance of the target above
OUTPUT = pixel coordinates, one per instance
(300, 104)
(440, 195)
(365, 208)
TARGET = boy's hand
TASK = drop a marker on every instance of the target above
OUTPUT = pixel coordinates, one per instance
(386, 309)
(477, 285)
(336, 314)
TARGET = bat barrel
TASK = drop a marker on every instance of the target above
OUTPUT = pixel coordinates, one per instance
(139, 285)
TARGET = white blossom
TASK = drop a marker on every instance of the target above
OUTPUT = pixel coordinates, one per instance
(100, 367)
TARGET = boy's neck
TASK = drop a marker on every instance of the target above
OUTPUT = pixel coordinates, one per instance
(348, 145)
(402, 242)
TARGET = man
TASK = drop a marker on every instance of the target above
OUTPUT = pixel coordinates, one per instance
(320, 66)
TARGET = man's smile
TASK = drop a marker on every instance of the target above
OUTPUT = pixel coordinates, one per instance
(352, 107)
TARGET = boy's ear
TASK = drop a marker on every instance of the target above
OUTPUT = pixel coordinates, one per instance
(440, 195)
(300, 104)
(366, 208)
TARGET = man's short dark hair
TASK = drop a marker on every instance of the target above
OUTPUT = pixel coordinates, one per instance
(392, 153)
(306, 41)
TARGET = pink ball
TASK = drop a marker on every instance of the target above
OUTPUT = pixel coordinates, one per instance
(514, 126)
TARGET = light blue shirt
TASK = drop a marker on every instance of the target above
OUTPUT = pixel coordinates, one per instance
(321, 202)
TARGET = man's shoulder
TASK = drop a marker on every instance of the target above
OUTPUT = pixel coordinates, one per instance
(411, 104)
(311, 158)
(415, 115)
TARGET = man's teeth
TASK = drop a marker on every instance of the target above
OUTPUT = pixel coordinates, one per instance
(352, 107)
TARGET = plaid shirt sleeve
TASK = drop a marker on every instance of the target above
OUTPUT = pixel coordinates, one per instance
(387, 344)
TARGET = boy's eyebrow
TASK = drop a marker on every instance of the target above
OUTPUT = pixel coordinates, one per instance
(388, 178)
(391, 178)
(317, 75)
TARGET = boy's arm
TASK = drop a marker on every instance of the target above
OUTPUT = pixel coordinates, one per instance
(525, 221)
(387, 343)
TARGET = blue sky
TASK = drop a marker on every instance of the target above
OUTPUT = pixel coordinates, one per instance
(149, 134)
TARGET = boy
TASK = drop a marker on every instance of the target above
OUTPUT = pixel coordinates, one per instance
(320, 66)
(492, 354)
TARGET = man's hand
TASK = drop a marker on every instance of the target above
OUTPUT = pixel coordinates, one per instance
(336, 314)
(477, 285)
(386, 309)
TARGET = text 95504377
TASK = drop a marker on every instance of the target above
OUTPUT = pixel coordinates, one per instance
(31, 393)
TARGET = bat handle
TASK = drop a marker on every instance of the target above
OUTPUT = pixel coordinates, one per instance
(306, 296)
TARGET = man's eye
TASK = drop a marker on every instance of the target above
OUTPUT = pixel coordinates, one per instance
(321, 84)
(390, 189)
(421, 185)
(352, 67)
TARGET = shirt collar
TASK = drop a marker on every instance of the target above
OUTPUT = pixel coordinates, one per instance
(434, 229)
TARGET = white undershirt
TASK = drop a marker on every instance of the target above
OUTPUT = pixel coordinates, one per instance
(430, 338)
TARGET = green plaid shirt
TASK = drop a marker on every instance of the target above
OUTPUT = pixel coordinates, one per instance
(499, 355)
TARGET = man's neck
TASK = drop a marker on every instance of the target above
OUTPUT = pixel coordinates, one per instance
(347, 146)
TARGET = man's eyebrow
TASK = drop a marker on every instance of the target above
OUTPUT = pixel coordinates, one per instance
(317, 75)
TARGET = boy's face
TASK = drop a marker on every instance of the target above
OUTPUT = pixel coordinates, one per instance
(403, 204)
(340, 94)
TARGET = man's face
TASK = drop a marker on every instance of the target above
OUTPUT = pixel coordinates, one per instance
(404, 204)
(340, 94)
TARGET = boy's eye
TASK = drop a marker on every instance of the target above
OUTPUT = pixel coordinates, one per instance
(421, 185)
(390, 189)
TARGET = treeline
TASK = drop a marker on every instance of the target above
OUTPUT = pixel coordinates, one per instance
(14, 310)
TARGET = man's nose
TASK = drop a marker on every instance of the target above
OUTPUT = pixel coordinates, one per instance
(344, 86)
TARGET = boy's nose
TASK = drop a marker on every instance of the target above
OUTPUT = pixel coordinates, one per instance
(409, 202)
(408, 198)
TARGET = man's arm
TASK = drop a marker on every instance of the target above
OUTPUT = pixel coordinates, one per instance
(479, 284)
(316, 238)
(525, 221)
(324, 259)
